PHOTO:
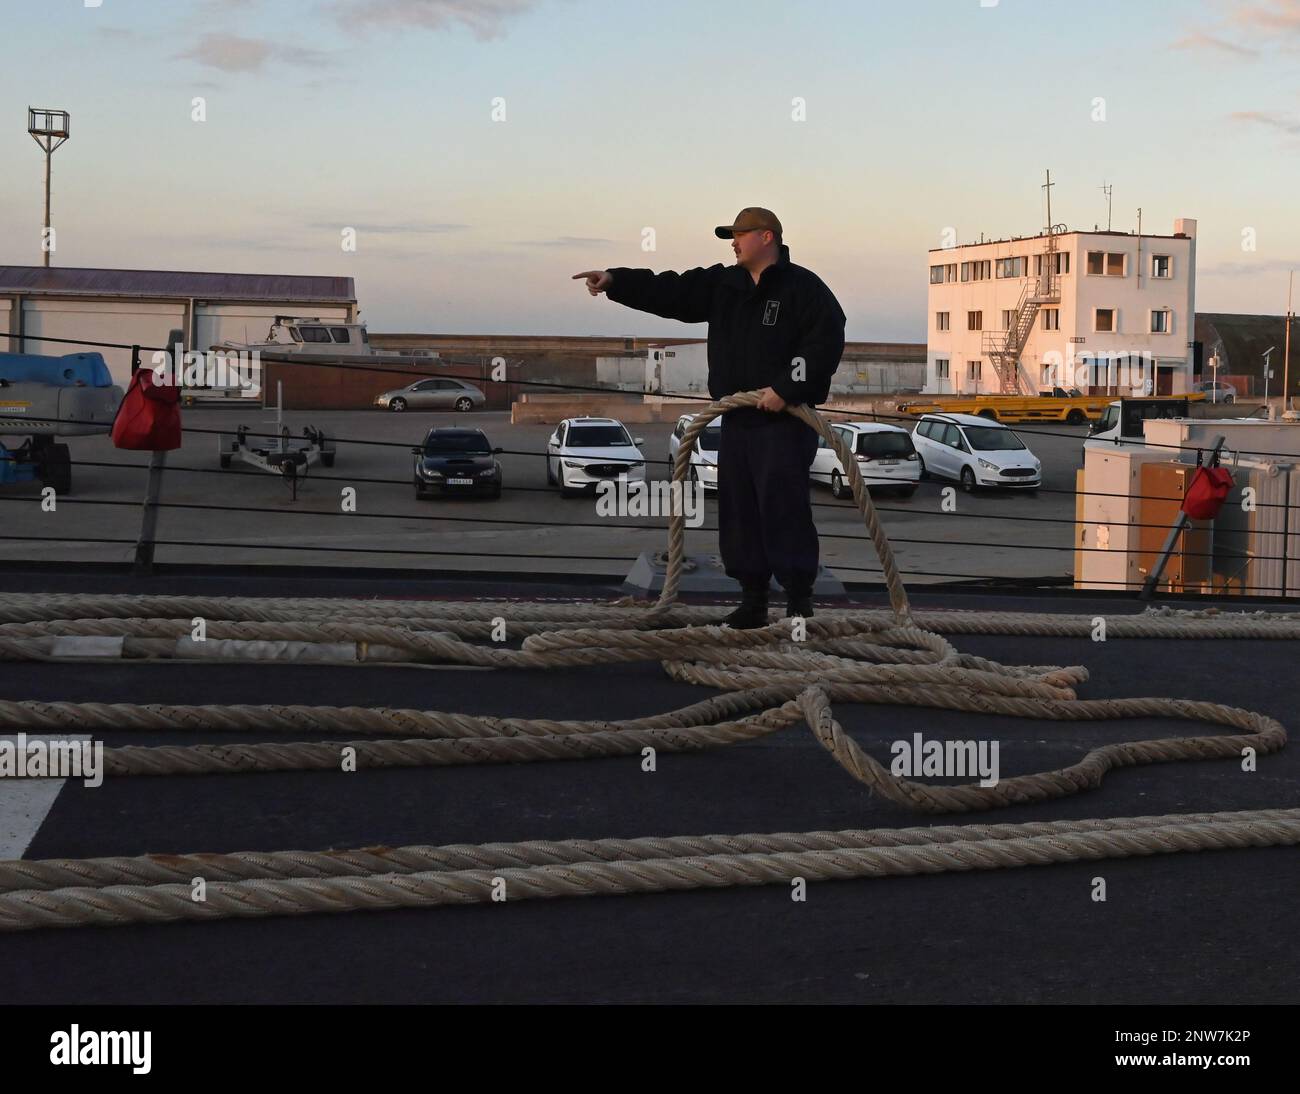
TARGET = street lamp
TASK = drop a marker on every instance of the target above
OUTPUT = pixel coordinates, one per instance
(49, 129)
(1268, 372)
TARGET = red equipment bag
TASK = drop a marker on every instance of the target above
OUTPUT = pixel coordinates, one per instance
(149, 418)
(1206, 493)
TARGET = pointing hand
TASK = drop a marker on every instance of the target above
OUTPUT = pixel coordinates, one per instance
(597, 280)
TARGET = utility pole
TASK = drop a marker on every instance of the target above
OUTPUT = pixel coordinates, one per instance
(1107, 189)
(49, 129)
(1286, 353)
(1139, 257)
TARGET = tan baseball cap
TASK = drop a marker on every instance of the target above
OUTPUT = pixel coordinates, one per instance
(749, 220)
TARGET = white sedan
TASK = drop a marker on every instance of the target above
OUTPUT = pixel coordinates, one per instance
(886, 457)
(583, 452)
(704, 457)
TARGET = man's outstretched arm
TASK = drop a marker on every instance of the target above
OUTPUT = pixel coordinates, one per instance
(687, 297)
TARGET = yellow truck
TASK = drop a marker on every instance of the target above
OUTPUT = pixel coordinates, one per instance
(1060, 405)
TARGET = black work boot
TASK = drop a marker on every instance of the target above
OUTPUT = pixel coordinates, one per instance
(798, 603)
(752, 611)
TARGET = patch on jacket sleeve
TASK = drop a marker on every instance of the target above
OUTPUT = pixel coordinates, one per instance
(769, 313)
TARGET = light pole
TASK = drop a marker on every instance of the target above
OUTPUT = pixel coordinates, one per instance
(1268, 373)
(49, 129)
(1286, 353)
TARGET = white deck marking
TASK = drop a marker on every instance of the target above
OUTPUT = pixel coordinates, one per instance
(25, 803)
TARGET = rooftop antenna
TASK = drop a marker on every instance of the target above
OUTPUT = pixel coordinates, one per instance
(1107, 189)
(49, 129)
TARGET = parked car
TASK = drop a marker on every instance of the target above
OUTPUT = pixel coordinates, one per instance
(887, 459)
(1217, 391)
(976, 452)
(1123, 422)
(704, 457)
(583, 452)
(439, 394)
(456, 461)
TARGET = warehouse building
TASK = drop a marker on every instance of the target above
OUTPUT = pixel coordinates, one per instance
(140, 307)
(1234, 350)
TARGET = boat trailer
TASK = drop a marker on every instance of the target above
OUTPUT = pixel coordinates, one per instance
(277, 452)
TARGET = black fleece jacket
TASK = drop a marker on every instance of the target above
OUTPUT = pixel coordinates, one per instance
(786, 332)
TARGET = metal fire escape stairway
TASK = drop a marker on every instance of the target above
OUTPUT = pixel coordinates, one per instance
(1003, 347)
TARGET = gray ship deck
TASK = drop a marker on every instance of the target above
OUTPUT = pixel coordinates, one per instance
(1210, 927)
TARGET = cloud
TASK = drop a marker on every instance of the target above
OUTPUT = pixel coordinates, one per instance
(564, 241)
(1199, 40)
(1237, 269)
(1281, 15)
(389, 229)
(235, 53)
(1263, 117)
(1266, 23)
(485, 19)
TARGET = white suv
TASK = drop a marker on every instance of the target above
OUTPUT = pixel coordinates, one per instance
(886, 456)
(585, 451)
(976, 452)
(704, 456)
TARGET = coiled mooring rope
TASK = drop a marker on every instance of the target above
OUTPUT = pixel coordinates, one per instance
(771, 678)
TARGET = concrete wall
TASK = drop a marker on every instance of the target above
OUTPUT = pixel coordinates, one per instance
(623, 373)
(538, 363)
(548, 409)
(865, 368)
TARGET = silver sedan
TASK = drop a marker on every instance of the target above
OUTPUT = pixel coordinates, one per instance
(440, 394)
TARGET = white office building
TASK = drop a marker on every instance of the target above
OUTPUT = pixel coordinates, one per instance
(1103, 312)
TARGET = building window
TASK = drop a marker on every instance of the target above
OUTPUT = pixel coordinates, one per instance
(1110, 263)
(974, 369)
(941, 368)
(1103, 320)
(1008, 318)
(1013, 267)
(1060, 263)
(974, 320)
(1161, 321)
(941, 320)
(1051, 319)
(936, 275)
(951, 271)
(1161, 266)
(965, 271)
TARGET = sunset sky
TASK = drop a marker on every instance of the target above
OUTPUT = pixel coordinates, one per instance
(620, 116)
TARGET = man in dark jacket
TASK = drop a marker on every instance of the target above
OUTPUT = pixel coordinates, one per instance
(776, 328)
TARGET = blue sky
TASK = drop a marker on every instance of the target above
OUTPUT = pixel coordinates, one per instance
(377, 115)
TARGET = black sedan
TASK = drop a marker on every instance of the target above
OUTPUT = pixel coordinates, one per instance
(456, 461)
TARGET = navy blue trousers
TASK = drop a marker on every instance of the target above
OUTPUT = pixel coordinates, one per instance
(765, 521)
